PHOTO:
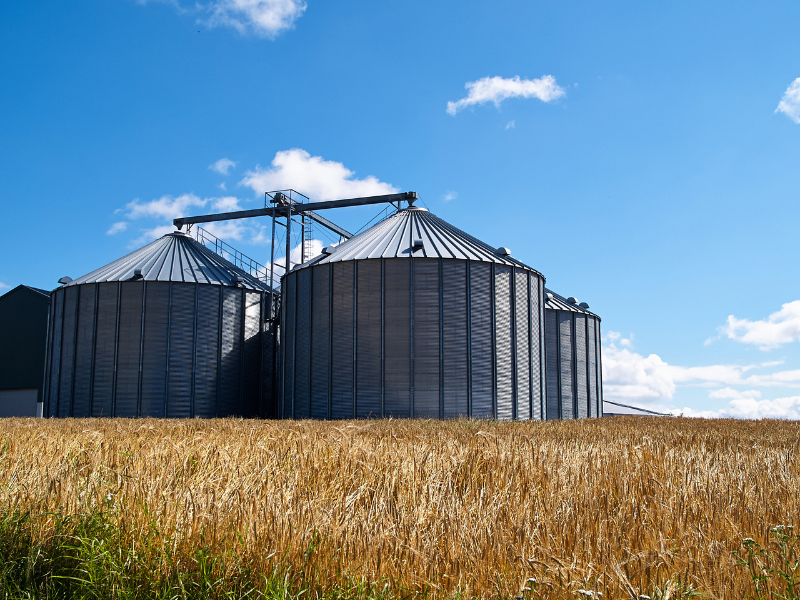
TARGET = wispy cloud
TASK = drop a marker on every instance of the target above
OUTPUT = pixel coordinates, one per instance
(790, 103)
(497, 89)
(450, 195)
(511, 124)
(318, 178)
(779, 328)
(262, 18)
(223, 166)
(4, 286)
(117, 227)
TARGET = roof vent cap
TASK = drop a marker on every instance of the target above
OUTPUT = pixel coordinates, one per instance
(572, 300)
(549, 295)
(418, 244)
(583, 305)
(65, 280)
(327, 250)
(503, 251)
(137, 274)
(235, 279)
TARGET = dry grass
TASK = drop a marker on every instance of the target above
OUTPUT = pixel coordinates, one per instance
(622, 506)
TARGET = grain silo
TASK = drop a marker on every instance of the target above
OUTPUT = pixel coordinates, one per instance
(412, 318)
(573, 359)
(170, 330)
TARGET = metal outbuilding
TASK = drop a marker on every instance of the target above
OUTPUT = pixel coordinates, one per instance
(170, 330)
(23, 337)
(412, 318)
(573, 359)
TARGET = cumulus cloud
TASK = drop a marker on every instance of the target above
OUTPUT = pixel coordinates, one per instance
(790, 103)
(265, 18)
(318, 178)
(166, 207)
(222, 166)
(731, 393)
(750, 408)
(117, 227)
(497, 89)
(782, 327)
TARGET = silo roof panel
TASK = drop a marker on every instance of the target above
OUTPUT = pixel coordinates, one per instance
(394, 237)
(173, 257)
(558, 302)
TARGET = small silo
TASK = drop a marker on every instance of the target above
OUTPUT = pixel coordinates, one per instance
(170, 330)
(412, 318)
(573, 359)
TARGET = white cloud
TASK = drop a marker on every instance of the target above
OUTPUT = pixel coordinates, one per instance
(790, 103)
(265, 18)
(222, 186)
(319, 179)
(730, 393)
(223, 166)
(450, 196)
(782, 327)
(497, 89)
(4, 286)
(117, 227)
(511, 124)
(165, 207)
(750, 408)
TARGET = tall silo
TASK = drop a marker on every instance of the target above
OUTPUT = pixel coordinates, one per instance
(412, 318)
(170, 330)
(573, 359)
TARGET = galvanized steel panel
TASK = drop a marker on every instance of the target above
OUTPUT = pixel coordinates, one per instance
(397, 341)
(523, 345)
(67, 369)
(154, 349)
(552, 365)
(181, 351)
(269, 401)
(55, 358)
(343, 340)
(320, 342)
(536, 348)
(302, 350)
(566, 365)
(84, 350)
(480, 282)
(455, 372)
(426, 338)
(129, 346)
(504, 367)
(592, 366)
(229, 402)
(105, 350)
(207, 351)
(289, 291)
(368, 339)
(581, 365)
(252, 353)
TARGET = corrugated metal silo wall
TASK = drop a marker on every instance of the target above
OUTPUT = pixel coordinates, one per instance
(428, 338)
(573, 370)
(159, 349)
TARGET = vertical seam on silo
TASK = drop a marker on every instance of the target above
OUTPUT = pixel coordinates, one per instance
(61, 351)
(468, 292)
(513, 322)
(194, 349)
(296, 278)
(383, 339)
(574, 331)
(116, 352)
(330, 340)
(48, 358)
(542, 357)
(588, 381)
(219, 348)
(94, 348)
(411, 334)
(493, 303)
(529, 308)
(169, 335)
(141, 355)
(441, 340)
(75, 351)
(310, 353)
(242, 312)
(558, 366)
(599, 370)
(355, 340)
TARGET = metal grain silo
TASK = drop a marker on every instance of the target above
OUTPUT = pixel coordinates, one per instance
(170, 330)
(573, 359)
(412, 318)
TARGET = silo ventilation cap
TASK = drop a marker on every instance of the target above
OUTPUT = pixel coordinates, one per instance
(327, 250)
(65, 280)
(572, 300)
(418, 243)
(235, 279)
(549, 296)
(137, 274)
(503, 251)
(583, 305)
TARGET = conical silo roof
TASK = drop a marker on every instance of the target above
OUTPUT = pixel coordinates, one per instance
(555, 301)
(173, 257)
(396, 236)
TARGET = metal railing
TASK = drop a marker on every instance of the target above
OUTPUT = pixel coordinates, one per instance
(229, 253)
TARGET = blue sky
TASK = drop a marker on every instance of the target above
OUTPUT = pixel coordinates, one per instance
(640, 161)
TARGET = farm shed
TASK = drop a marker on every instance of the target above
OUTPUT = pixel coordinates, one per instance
(170, 330)
(573, 359)
(412, 318)
(23, 339)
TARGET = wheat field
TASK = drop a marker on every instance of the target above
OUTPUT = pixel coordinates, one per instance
(620, 506)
